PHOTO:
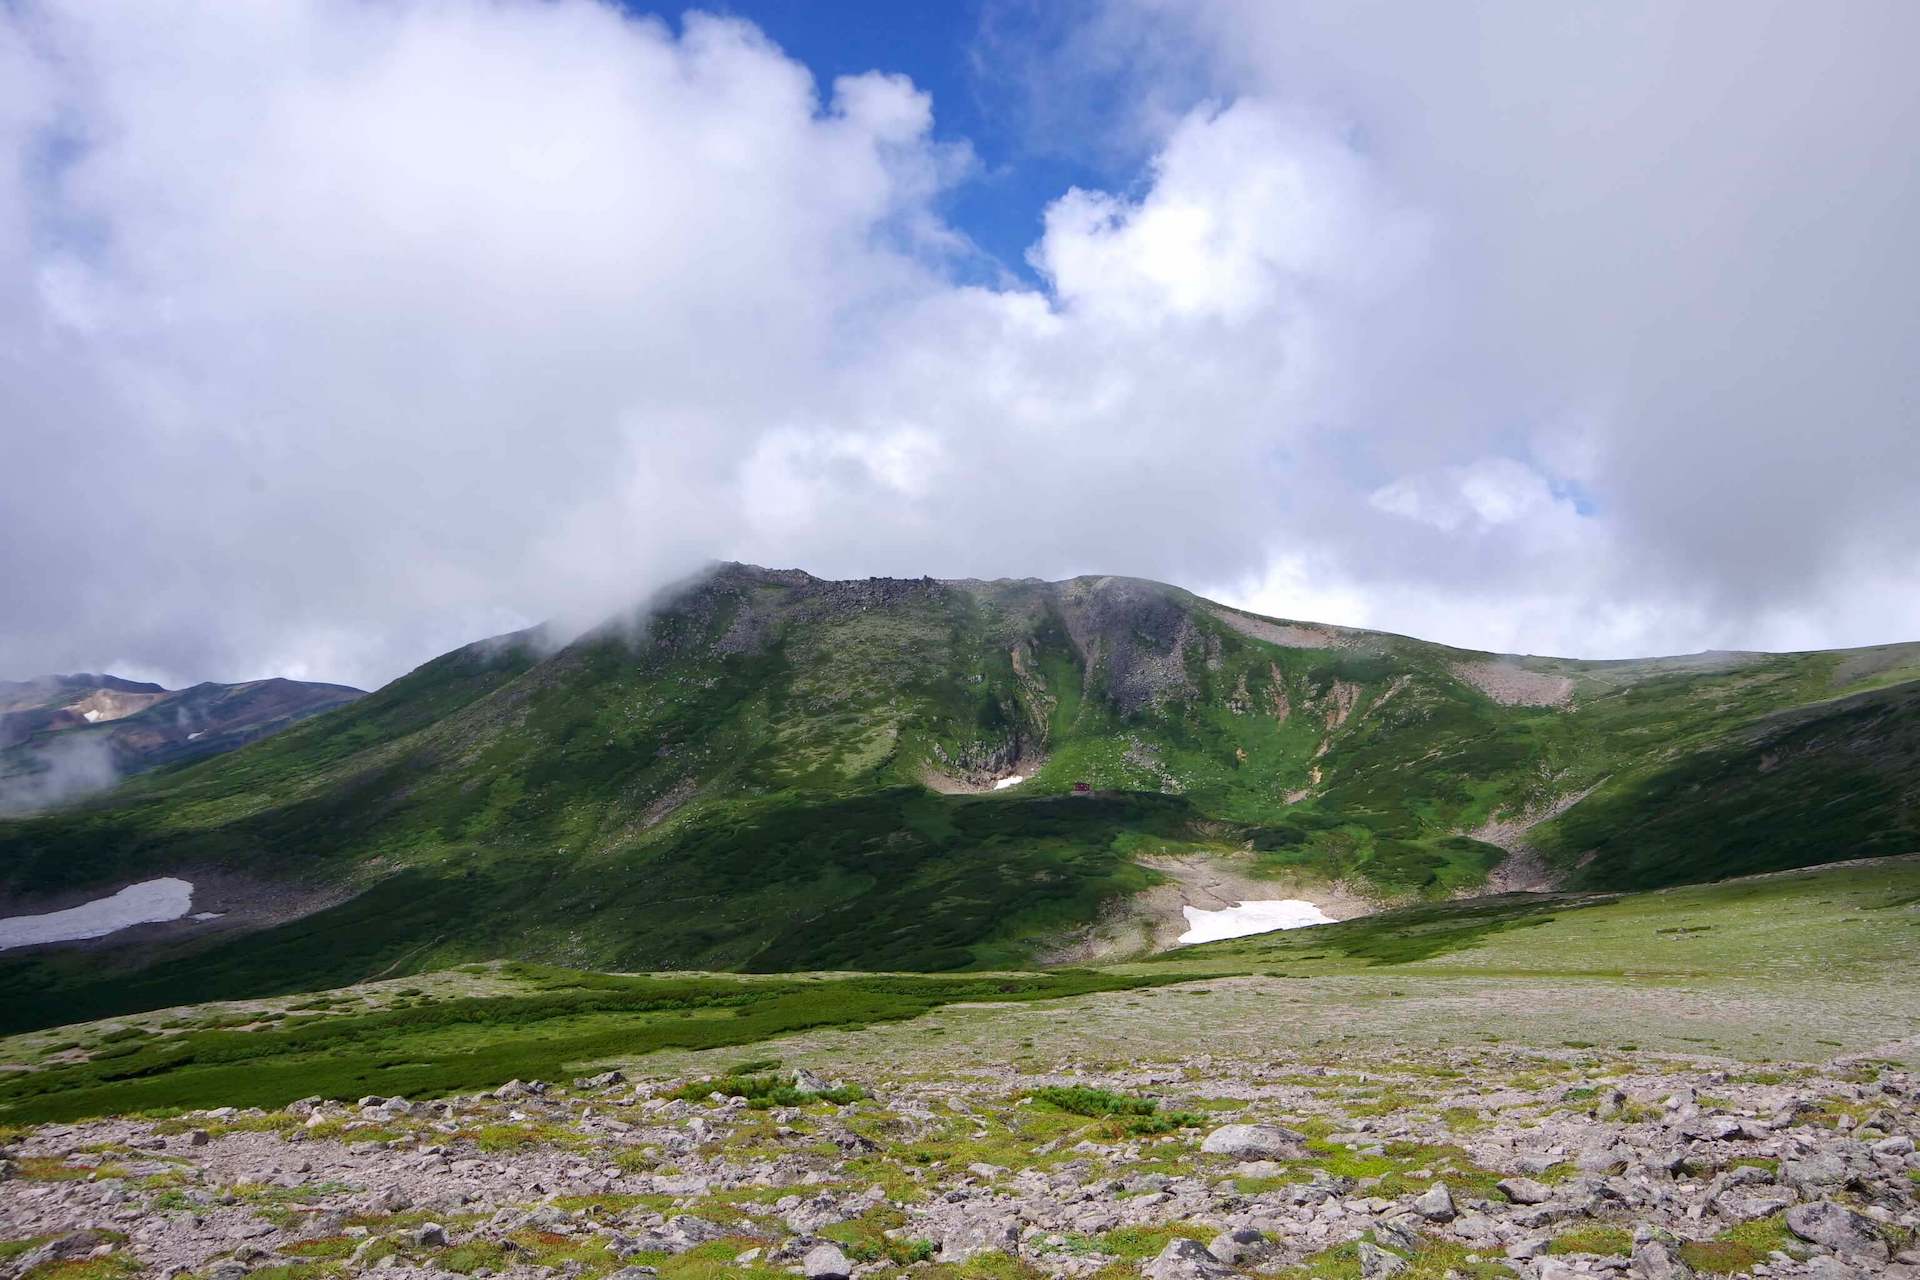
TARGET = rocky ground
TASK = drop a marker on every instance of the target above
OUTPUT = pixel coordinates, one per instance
(1467, 1163)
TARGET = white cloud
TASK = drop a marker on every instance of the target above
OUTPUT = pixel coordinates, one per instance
(1481, 497)
(1250, 210)
(333, 336)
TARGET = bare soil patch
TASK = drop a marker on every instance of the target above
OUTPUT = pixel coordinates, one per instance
(1513, 685)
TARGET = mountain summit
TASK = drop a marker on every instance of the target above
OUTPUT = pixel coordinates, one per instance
(766, 770)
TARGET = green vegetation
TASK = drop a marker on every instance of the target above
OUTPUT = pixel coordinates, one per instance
(771, 773)
(1139, 1115)
(1432, 1260)
(1829, 923)
(571, 1020)
(1593, 1238)
(761, 1092)
(1738, 1250)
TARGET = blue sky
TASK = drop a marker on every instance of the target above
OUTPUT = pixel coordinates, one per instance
(956, 52)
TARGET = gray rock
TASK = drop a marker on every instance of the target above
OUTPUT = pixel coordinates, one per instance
(1435, 1204)
(1716, 1128)
(1256, 1142)
(1837, 1227)
(1398, 1233)
(1538, 1217)
(1829, 1268)
(1815, 1173)
(1524, 1190)
(430, 1235)
(1240, 1246)
(66, 1248)
(1654, 1260)
(1746, 1206)
(826, 1262)
(1184, 1259)
(389, 1200)
(979, 1233)
(686, 1231)
(1377, 1264)
(822, 1210)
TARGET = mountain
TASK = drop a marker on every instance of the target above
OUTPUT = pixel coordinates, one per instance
(762, 770)
(65, 735)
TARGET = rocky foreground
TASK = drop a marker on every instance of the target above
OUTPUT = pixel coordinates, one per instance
(1470, 1164)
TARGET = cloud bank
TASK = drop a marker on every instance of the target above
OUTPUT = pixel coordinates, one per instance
(335, 335)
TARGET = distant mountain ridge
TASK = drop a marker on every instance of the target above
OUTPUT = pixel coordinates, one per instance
(765, 770)
(118, 727)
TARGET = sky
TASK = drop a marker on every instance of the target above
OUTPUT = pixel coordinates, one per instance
(337, 333)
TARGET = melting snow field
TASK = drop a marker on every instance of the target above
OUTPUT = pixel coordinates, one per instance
(149, 902)
(1244, 918)
(1001, 784)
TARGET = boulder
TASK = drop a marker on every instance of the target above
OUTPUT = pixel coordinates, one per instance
(826, 1262)
(1837, 1227)
(979, 1233)
(1831, 1268)
(1435, 1204)
(1377, 1264)
(820, 1211)
(1185, 1259)
(388, 1200)
(67, 1248)
(1814, 1173)
(1524, 1190)
(1256, 1142)
(1655, 1260)
(1240, 1247)
(1745, 1206)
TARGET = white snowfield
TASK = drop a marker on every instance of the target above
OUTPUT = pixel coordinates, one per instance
(1241, 919)
(149, 902)
(1001, 784)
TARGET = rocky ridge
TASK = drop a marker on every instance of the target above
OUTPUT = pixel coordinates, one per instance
(1473, 1163)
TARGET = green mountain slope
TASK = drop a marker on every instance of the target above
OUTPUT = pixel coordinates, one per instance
(767, 771)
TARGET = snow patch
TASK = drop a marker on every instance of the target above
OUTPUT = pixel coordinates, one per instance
(149, 902)
(90, 716)
(1001, 784)
(1243, 918)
